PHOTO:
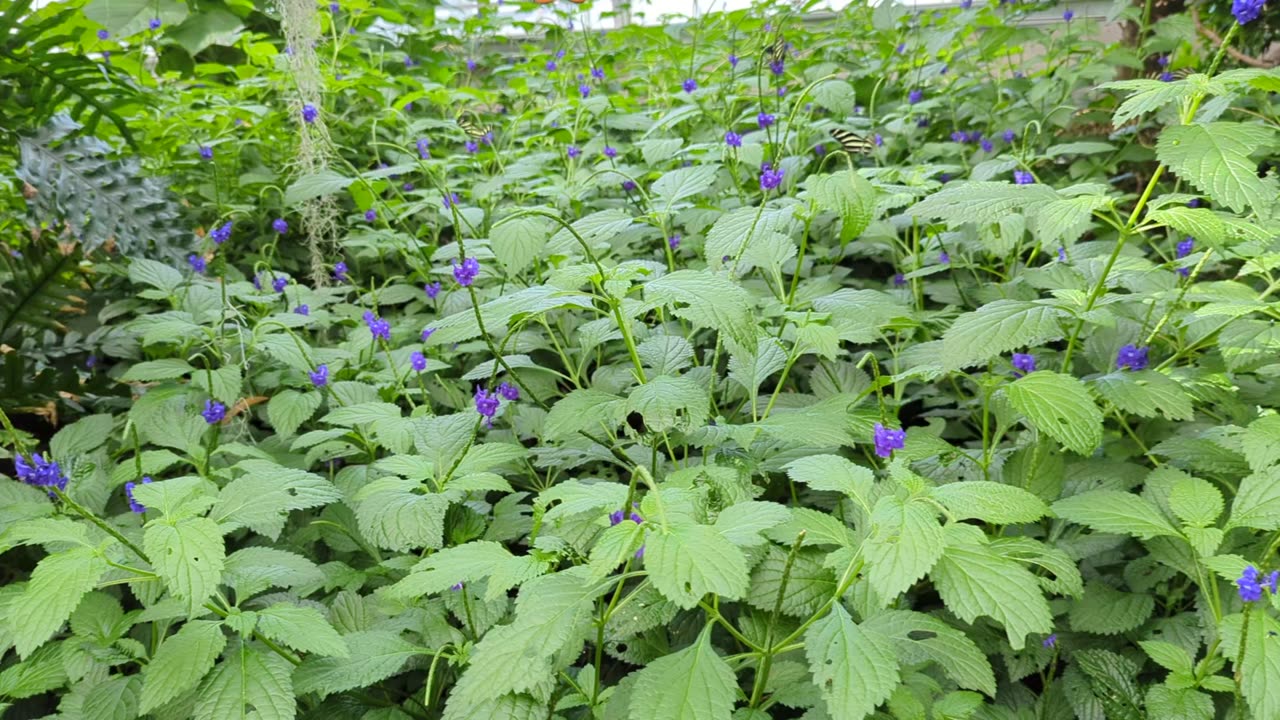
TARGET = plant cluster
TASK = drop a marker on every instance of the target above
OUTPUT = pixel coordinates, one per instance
(420, 371)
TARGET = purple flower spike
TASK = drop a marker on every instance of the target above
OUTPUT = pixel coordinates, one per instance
(1022, 177)
(770, 178)
(426, 333)
(915, 96)
(214, 412)
(733, 60)
(764, 120)
(432, 290)
(280, 226)
(1009, 136)
(1132, 357)
(628, 185)
(1023, 363)
(597, 73)
(987, 146)
(689, 85)
(450, 200)
(509, 391)
(1246, 11)
(615, 517)
(1067, 15)
(134, 505)
(378, 327)
(320, 377)
(418, 361)
(887, 440)
(197, 263)
(340, 272)
(732, 139)
(40, 472)
(487, 405)
(610, 152)
(777, 67)
(424, 148)
(673, 242)
(944, 258)
(221, 234)
(206, 152)
(302, 310)
(154, 24)
(279, 284)
(1249, 588)
(370, 215)
(103, 34)
(1052, 640)
(585, 90)
(472, 146)
(466, 273)
(573, 152)
(309, 113)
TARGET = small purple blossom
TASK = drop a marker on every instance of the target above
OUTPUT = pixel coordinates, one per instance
(103, 34)
(279, 284)
(432, 290)
(966, 4)
(154, 24)
(732, 139)
(610, 152)
(340, 271)
(197, 263)
(418, 361)
(1163, 61)
(887, 440)
(689, 85)
(39, 471)
(466, 273)
(986, 145)
(1067, 15)
(573, 151)
(1062, 254)
(764, 120)
(221, 234)
(471, 65)
(472, 146)
(426, 333)
(584, 90)
(733, 60)
(1009, 136)
(309, 113)
(777, 67)
(1273, 581)
(944, 258)
(1023, 364)
(1250, 588)
(1166, 76)
(915, 96)
(509, 391)
(456, 587)
(320, 376)
(206, 152)
(1023, 177)
(1184, 249)
(628, 185)
(214, 412)
(451, 200)
(486, 405)
(1193, 203)
(1052, 640)
(770, 178)
(1132, 357)
(597, 73)
(424, 148)
(370, 215)
(378, 327)
(820, 149)
(673, 242)
(280, 226)
(922, 122)
(878, 139)
(551, 66)
(899, 280)
(302, 310)
(134, 505)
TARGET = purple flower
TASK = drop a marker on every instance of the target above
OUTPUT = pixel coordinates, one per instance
(1009, 136)
(509, 391)
(370, 215)
(320, 377)
(1166, 76)
(473, 146)
(878, 140)
(899, 280)
(1022, 177)
(1163, 61)
(407, 187)
(257, 281)
(1273, 581)
(986, 145)
(1185, 247)
(197, 263)
(732, 139)
(597, 73)
(451, 199)
(887, 440)
(466, 273)
(418, 361)
(1132, 357)
(1067, 15)
(1023, 363)
(134, 505)
(1249, 588)
(689, 85)
(764, 120)
(615, 517)
(1052, 640)
(426, 333)
(486, 405)
(966, 4)
(770, 178)
(103, 34)
(628, 185)
(782, 91)
(39, 472)
(91, 362)
(958, 136)
(944, 258)
(551, 66)
(609, 152)
(820, 149)
(378, 327)
(584, 89)
(456, 587)
(221, 234)
(733, 60)
(154, 24)
(424, 146)
(340, 271)
(915, 96)
(902, 48)
(777, 67)
(309, 113)
(280, 226)
(206, 152)
(673, 242)
(944, 178)
(1062, 254)
(432, 289)
(573, 151)
(471, 65)
(214, 412)
(302, 310)
(279, 284)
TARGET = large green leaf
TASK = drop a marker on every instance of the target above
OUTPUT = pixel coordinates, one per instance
(707, 299)
(1215, 158)
(1060, 406)
(182, 660)
(188, 555)
(855, 667)
(56, 587)
(998, 328)
(691, 684)
(689, 561)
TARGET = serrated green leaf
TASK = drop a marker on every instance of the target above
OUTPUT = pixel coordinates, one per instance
(742, 523)
(974, 581)
(998, 328)
(114, 699)
(990, 502)
(920, 638)
(981, 202)
(1111, 511)
(854, 666)
(1257, 501)
(518, 241)
(689, 561)
(288, 409)
(707, 300)
(188, 555)
(681, 183)
(691, 684)
(1260, 670)
(302, 628)
(1060, 406)
(1215, 159)
(56, 587)
(809, 584)
(848, 195)
(666, 403)
(309, 187)
(1261, 442)
(82, 436)
(374, 655)
(834, 474)
(1106, 611)
(1148, 95)
(391, 515)
(905, 543)
(262, 498)
(183, 659)
(247, 685)
(1146, 393)
(155, 370)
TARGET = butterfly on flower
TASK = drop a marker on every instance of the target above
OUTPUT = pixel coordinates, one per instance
(851, 142)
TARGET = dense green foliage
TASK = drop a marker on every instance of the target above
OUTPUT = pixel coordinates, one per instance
(633, 396)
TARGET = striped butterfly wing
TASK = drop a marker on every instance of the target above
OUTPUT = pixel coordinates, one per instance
(851, 142)
(472, 129)
(776, 52)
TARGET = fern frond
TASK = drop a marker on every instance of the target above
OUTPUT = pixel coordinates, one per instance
(39, 286)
